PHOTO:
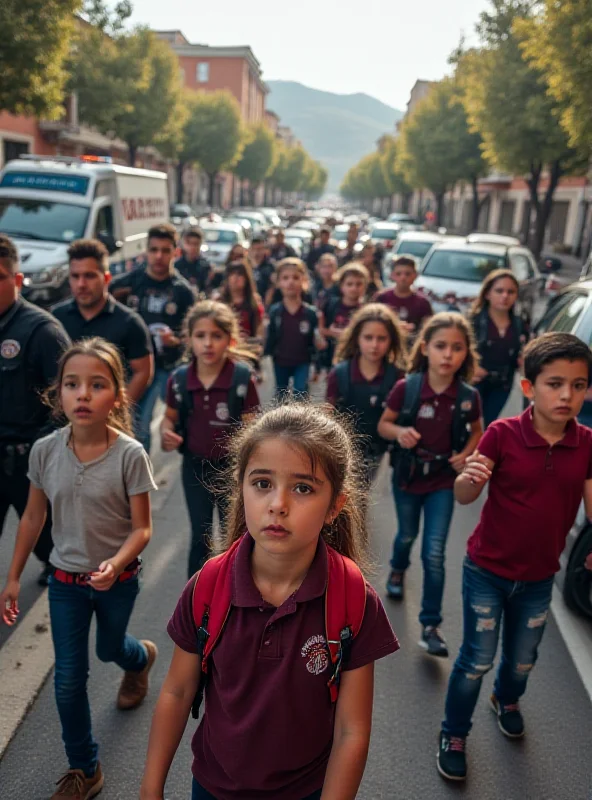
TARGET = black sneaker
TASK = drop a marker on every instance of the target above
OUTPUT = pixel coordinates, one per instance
(451, 758)
(43, 579)
(509, 718)
(433, 641)
(394, 585)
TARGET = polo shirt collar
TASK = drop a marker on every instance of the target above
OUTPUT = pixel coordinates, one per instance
(427, 393)
(356, 372)
(223, 381)
(108, 308)
(246, 594)
(571, 438)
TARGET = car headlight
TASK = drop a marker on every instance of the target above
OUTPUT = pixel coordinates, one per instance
(55, 274)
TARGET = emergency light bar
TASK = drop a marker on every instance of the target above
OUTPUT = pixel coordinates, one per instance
(88, 159)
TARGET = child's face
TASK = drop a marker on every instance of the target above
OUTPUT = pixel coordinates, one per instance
(374, 341)
(502, 295)
(236, 282)
(353, 289)
(286, 501)
(192, 247)
(209, 342)
(326, 270)
(559, 390)
(446, 351)
(290, 282)
(403, 278)
(87, 393)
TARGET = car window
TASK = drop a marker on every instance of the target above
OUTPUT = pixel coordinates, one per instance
(220, 236)
(104, 223)
(460, 266)
(416, 249)
(521, 266)
(564, 313)
(384, 233)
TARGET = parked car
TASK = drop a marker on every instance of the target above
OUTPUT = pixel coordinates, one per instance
(272, 217)
(304, 236)
(398, 217)
(258, 221)
(571, 312)
(385, 234)
(452, 273)
(339, 237)
(492, 238)
(415, 243)
(244, 223)
(182, 217)
(220, 238)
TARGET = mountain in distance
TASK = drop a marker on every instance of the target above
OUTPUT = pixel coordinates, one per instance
(336, 129)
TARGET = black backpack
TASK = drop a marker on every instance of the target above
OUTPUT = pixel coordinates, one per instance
(236, 396)
(480, 326)
(405, 461)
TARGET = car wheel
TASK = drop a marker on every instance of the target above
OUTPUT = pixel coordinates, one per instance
(577, 588)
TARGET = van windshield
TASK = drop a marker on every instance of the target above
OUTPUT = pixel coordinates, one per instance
(42, 219)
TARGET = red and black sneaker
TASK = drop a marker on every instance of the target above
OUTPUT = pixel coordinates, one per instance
(451, 758)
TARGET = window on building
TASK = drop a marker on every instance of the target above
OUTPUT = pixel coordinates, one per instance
(203, 72)
(12, 149)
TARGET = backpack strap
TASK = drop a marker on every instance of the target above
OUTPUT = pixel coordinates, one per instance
(391, 373)
(238, 390)
(411, 400)
(465, 400)
(345, 604)
(213, 582)
(342, 373)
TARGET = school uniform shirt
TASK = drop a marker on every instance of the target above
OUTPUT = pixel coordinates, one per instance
(534, 495)
(249, 319)
(324, 295)
(279, 252)
(262, 274)
(158, 303)
(332, 393)
(292, 346)
(413, 309)
(341, 315)
(210, 424)
(267, 730)
(196, 273)
(434, 424)
(89, 502)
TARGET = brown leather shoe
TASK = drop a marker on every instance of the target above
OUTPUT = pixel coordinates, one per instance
(134, 686)
(76, 786)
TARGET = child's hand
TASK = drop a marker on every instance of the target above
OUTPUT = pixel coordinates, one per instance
(169, 339)
(9, 602)
(170, 441)
(457, 462)
(407, 327)
(104, 578)
(408, 437)
(476, 470)
(335, 331)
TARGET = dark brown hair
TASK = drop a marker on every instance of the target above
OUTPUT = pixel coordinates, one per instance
(230, 257)
(120, 416)
(349, 341)
(242, 267)
(404, 261)
(90, 248)
(193, 233)
(496, 275)
(224, 318)
(322, 438)
(552, 347)
(291, 263)
(164, 231)
(445, 319)
(8, 252)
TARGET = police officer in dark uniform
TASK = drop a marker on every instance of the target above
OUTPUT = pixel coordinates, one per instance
(31, 343)
(162, 298)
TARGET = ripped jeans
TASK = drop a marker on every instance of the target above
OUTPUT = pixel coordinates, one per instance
(486, 599)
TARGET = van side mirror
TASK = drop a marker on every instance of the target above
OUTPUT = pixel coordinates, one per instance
(111, 243)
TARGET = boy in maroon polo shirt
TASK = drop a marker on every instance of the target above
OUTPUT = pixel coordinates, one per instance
(411, 308)
(538, 466)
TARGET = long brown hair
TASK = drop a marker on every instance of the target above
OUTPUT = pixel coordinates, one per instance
(232, 257)
(95, 347)
(224, 318)
(445, 319)
(349, 341)
(481, 301)
(243, 267)
(316, 432)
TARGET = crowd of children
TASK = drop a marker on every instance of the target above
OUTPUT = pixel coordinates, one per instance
(290, 485)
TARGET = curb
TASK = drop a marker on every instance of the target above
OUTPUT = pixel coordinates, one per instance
(577, 637)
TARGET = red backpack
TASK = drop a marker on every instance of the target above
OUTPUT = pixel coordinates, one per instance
(345, 603)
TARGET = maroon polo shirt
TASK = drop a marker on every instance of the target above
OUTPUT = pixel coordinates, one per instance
(248, 319)
(434, 424)
(355, 376)
(210, 425)
(292, 346)
(267, 729)
(343, 314)
(414, 308)
(534, 495)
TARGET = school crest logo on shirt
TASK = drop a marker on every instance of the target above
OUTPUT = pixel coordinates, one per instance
(373, 400)
(426, 412)
(315, 650)
(304, 326)
(466, 405)
(403, 312)
(10, 348)
(222, 412)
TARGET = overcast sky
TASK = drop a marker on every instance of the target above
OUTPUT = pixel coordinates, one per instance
(379, 47)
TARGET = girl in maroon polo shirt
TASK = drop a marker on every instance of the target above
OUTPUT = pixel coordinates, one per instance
(270, 730)
(240, 293)
(427, 457)
(199, 418)
(371, 357)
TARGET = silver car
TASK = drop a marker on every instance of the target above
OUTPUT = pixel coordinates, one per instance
(220, 238)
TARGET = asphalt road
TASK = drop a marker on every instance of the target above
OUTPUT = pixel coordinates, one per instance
(553, 762)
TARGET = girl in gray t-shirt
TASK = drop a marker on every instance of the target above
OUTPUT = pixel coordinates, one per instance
(97, 479)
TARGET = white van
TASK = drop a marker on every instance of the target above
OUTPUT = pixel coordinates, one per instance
(48, 201)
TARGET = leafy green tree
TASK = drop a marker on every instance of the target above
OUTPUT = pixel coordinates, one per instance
(395, 182)
(558, 42)
(128, 86)
(317, 177)
(507, 102)
(257, 159)
(34, 43)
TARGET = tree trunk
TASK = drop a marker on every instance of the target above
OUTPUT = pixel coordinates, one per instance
(212, 189)
(440, 208)
(252, 193)
(544, 209)
(180, 171)
(533, 189)
(476, 203)
(132, 153)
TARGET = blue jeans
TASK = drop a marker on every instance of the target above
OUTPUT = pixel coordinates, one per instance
(437, 514)
(299, 375)
(145, 411)
(493, 400)
(71, 608)
(486, 599)
(199, 793)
